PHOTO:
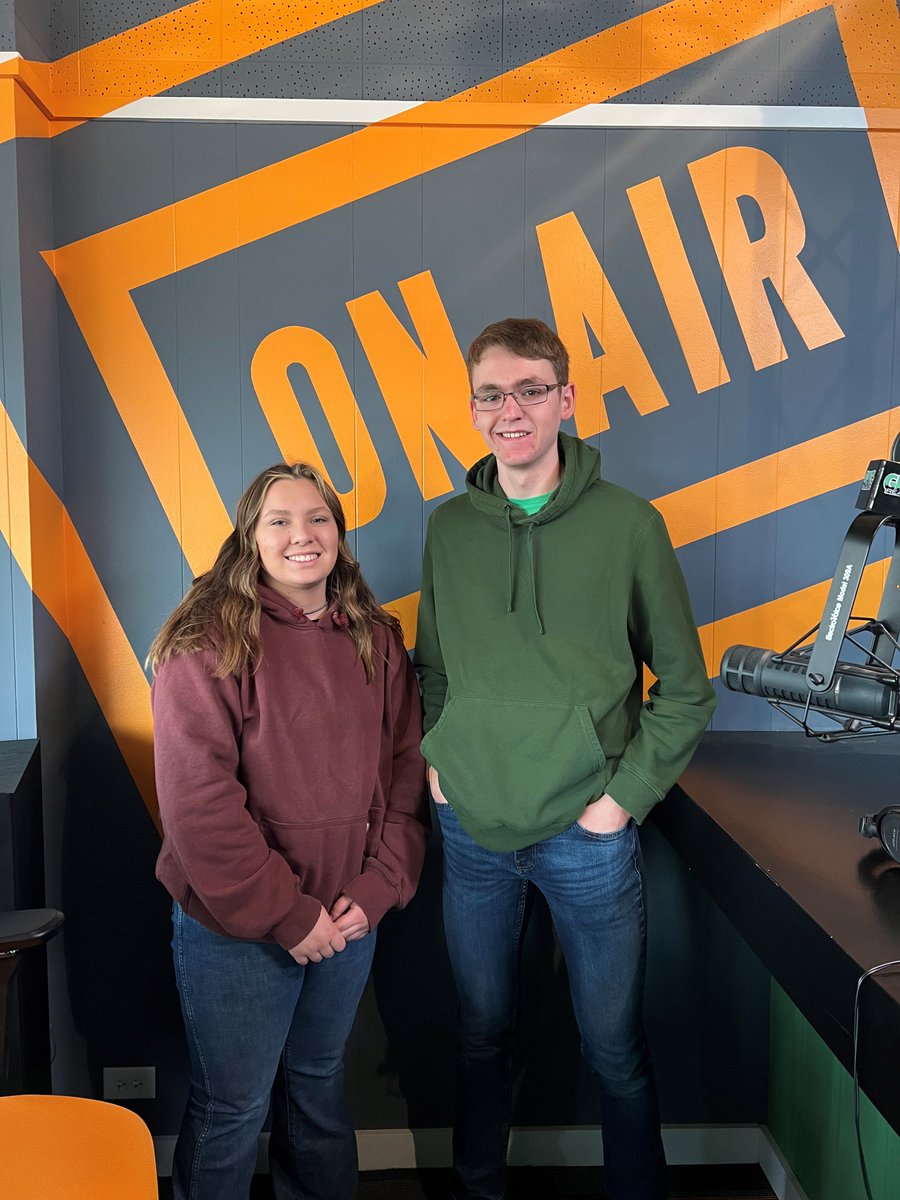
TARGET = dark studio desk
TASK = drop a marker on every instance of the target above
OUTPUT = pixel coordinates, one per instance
(768, 823)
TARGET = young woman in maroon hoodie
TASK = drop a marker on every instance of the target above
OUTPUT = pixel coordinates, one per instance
(287, 727)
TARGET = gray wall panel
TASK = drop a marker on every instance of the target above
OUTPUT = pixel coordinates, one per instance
(18, 636)
(110, 500)
(387, 248)
(808, 538)
(62, 25)
(414, 81)
(641, 441)
(260, 145)
(108, 172)
(847, 232)
(338, 43)
(823, 88)
(800, 63)
(39, 291)
(31, 40)
(13, 382)
(100, 19)
(9, 724)
(812, 43)
(473, 214)
(292, 80)
(207, 84)
(7, 25)
(204, 154)
(325, 62)
(434, 32)
(207, 379)
(533, 28)
(24, 646)
(805, 539)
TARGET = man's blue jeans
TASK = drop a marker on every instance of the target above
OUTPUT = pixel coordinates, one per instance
(593, 886)
(258, 1024)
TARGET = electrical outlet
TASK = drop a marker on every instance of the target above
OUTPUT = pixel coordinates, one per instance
(129, 1083)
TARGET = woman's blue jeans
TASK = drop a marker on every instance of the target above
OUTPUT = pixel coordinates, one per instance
(258, 1024)
(593, 886)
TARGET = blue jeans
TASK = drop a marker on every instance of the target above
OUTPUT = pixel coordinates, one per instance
(593, 886)
(258, 1024)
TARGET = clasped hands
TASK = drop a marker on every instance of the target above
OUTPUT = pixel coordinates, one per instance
(346, 922)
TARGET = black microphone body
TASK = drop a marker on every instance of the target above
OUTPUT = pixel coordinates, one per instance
(858, 692)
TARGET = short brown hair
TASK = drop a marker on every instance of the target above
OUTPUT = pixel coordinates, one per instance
(525, 336)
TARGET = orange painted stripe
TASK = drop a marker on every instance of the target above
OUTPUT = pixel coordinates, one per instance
(7, 110)
(77, 602)
(97, 286)
(870, 34)
(639, 50)
(169, 50)
(208, 34)
(407, 609)
(15, 521)
(768, 484)
(20, 115)
(778, 623)
(179, 46)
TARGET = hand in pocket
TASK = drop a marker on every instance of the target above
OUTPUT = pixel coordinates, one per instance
(435, 785)
(604, 816)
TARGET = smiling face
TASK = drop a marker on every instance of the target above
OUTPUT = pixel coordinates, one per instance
(297, 539)
(523, 439)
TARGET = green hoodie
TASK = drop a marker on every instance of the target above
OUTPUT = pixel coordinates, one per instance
(531, 637)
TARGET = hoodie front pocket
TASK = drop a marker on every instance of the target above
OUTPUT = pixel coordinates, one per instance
(514, 763)
(324, 855)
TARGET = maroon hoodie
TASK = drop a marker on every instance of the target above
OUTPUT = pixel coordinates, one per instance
(282, 788)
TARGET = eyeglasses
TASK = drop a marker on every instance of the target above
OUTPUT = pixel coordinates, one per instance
(529, 393)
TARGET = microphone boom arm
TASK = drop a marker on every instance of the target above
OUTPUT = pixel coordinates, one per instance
(842, 595)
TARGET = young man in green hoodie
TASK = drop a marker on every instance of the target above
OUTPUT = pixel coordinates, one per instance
(545, 589)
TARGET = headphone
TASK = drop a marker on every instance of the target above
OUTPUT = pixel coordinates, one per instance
(886, 827)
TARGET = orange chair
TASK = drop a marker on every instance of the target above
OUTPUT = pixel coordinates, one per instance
(69, 1148)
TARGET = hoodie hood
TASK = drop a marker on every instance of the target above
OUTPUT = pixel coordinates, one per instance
(285, 612)
(580, 469)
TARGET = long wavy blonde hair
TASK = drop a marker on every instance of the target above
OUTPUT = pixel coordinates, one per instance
(221, 610)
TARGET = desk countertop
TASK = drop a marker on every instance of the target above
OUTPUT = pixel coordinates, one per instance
(768, 822)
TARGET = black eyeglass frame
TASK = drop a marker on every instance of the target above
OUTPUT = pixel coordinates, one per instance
(519, 395)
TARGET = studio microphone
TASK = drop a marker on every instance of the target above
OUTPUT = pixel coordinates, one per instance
(866, 693)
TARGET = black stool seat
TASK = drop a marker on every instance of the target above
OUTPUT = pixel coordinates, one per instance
(27, 927)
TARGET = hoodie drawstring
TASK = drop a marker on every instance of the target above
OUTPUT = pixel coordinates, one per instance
(533, 569)
(529, 542)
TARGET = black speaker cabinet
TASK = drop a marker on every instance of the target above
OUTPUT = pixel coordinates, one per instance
(22, 886)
